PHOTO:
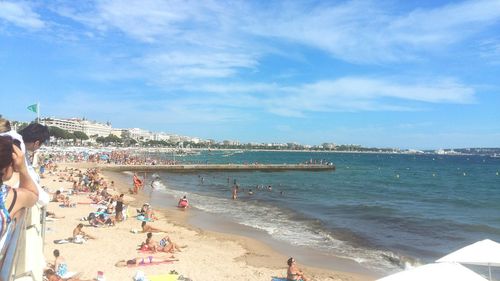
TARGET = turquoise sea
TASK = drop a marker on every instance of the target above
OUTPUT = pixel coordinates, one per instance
(384, 211)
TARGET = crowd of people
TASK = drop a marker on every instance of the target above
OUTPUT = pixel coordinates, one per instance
(111, 210)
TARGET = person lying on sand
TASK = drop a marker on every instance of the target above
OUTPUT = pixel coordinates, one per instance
(144, 261)
(148, 228)
(52, 276)
(102, 220)
(49, 214)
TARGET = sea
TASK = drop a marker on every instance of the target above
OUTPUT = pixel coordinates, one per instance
(384, 212)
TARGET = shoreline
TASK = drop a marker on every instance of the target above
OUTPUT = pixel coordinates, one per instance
(261, 249)
(212, 251)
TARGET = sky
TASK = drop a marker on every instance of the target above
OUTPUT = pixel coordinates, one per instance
(407, 74)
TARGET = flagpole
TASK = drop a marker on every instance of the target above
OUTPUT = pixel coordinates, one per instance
(38, 111)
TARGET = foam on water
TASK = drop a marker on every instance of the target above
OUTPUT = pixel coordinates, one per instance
(362, 211)
(286, 227)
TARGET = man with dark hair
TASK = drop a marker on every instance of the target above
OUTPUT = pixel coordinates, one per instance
(34, 135)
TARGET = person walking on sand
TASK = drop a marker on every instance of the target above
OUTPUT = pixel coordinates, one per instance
(294, 273)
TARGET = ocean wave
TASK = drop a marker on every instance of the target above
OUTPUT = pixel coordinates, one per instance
(290, 227)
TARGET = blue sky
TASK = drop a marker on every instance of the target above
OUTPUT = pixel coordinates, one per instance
(409, 74)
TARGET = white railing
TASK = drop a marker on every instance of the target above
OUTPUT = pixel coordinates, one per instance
(21, 252)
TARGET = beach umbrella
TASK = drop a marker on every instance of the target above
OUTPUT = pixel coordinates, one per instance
(485, 252)
(436, 272)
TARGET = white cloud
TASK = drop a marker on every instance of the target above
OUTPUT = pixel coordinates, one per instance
(347, 94)
(368, 32)
(184, 66)
(369, 94)
(20, 14)
(360, 31)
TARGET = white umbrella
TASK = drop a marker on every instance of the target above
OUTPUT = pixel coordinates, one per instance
(436, 272)
(485, 252)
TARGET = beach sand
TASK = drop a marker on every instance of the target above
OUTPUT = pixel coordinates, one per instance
(209, 255)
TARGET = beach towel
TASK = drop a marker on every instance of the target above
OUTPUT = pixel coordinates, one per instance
(72, 205)
(164, 277)
(142, 218)
(61, 241)
(68, 275)
(69, 240)
(151, 263)
(279, 279)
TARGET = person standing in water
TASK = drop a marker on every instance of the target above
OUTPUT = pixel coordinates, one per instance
(137, 183)
(235, 191)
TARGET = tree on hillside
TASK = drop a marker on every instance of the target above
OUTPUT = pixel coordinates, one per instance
(80, 135)
(59, 133)
(113, 139)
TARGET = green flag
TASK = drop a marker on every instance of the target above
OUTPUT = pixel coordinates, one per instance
(33, 107)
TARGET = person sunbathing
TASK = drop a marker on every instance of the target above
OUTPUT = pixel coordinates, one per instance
(164, 245)
(148, 228)
(294, 273)
(58, 197)
(80, 235)
(52, 276)
(144, 261)
(149, 213)
(102, 220)
(67, 203)
(49, 214)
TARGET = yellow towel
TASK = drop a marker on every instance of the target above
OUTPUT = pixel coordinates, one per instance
(164, 277)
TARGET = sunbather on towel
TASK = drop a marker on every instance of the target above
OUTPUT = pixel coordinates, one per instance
(79, 234)
(294, 273)
(52, 276)
(144, 261)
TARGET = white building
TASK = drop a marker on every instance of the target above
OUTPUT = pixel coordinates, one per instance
(161, 136)
(94, 128)
(72, 125)
(140, 134)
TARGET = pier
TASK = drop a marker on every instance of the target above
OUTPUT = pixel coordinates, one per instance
(219, 167)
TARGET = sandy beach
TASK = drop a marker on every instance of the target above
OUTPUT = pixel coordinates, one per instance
(207, 255)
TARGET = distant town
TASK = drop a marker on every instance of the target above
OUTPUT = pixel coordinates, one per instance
(83, 132)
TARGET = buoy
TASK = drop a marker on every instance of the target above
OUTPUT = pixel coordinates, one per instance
(433, 174)
(397, 176)
(497, 173)
(465, 174)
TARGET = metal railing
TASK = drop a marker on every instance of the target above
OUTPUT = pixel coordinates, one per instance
(11, 241)
(25, 231)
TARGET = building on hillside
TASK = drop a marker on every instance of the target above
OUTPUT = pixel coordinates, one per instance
(140, 134)
(230, 142)
(90, 128)
(161, 136)
(94, 128)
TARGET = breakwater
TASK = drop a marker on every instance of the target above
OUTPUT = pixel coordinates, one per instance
(219, 167)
